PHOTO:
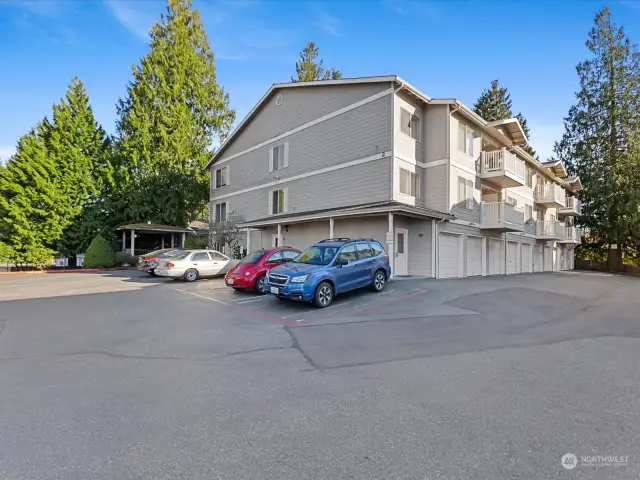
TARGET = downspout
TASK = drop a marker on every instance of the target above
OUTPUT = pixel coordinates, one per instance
(449, 117)
(435, 247)
(393, 139)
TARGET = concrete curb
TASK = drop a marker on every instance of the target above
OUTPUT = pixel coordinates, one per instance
(71, 270)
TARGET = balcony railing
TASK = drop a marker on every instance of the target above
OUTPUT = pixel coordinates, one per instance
(501, 163)
(571, 207)
(550, 194)
(572, 235)
(550, 229)
(501, 214)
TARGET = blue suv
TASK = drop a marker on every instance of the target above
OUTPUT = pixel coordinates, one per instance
(331, 267)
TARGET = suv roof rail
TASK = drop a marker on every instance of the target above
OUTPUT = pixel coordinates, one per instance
(339, 239)
(367, 239)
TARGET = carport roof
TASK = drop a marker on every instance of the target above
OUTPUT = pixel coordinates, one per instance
(155, 227)
(364, 209)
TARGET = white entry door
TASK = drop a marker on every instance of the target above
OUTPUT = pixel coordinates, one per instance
(526, 258)
(474, 256)
(512, 258)
(449, 256)
(537, 258)
(402, 252)
(495, 256)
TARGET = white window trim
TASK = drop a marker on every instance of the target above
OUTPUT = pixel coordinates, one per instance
(285, 207)
(411, 116)
(226, 211)
(469, 199)
(285, 161)
(215, 176)
(466, 144)
(411, 176)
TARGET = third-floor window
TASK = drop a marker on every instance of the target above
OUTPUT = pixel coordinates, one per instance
(222, 177)
(465, 139)
(279, 157)
(410, 124)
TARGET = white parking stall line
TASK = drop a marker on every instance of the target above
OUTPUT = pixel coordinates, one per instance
(240, 302)
(318, 310)
(203, 296)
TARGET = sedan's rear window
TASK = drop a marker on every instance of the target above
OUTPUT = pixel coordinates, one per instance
(182, 255)
(252, 258)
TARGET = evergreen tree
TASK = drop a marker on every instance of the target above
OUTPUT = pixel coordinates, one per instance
(601, 142)
(308, 69)
(33, 210)
(99, 254)
(174, 109)
(495, 104)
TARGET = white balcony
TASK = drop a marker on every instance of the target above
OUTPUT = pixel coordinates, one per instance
(550, 195)
(549, 230)
(501, 216)
(572, 235)
(502, 168)
(571, 207)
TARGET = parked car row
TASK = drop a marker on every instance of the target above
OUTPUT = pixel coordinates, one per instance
(187, 264)
(316, 275)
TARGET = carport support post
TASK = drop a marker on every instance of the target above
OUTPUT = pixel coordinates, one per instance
(162, 242)
(184, 236)
(390, 240)
(331, 224)
(248, 240)
(505, 253)
(124, 241)
(133, 242)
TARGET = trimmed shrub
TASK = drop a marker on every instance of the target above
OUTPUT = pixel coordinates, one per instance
(194, 242)
(99, 254)
(125, 258)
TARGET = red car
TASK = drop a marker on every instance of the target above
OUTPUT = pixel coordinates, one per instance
(250, 273)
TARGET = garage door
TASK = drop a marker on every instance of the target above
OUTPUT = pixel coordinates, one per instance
(474, 256)
(537, 258)
(526, 258)
(548, 259)
(449, 256)
(495, 256)
(512, 258)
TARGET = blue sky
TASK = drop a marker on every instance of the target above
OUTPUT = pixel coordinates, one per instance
(446, 49)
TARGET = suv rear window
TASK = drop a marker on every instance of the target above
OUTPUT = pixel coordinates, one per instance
(377, 249)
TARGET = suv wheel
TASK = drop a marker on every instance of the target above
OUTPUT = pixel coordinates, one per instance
(379, 281)
(190, 275)
(323, 296)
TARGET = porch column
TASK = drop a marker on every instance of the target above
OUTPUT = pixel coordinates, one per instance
(133, 242)
(390, 243)
(331, 224)
(248, 230)
(124, 241)
(434, 236)
(162, 241)
(279, 235)
(172, 241)
(505, 253)
(184, 236)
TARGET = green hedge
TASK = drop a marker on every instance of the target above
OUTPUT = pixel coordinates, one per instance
(99, 254)
(125, 258)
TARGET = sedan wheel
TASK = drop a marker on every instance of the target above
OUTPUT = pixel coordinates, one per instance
(191, 275)
(323, 296)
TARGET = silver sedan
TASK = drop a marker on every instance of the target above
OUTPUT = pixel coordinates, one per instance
(193, 264)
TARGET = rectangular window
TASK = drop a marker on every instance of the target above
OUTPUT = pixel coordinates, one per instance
(410, 124)
(465, 193)
(465, 139)
(529, 174)
(277, 202)
(221, 177)
(409, 183)
(528, 212)
(512, 201)
(279, 157)
(221, 212)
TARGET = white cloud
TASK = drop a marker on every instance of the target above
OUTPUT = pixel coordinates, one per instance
(423, 8)
(137, 19)
(543, 137)
(6, 152)
(326, 22)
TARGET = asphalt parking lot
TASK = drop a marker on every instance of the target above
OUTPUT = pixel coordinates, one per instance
(120, 375)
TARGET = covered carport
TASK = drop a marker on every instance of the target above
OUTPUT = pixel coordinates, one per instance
(141, 238)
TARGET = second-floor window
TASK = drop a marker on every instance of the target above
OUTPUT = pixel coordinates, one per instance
(220, 212)
(279, 157)
(529, 172)
(410, 124)
(278, 201)
(465, 193)
(512, 201)
(409, 183)
(222, 177)
(465, 139)
(528, 212)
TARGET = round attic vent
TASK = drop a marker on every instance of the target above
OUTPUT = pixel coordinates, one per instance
(279, 100)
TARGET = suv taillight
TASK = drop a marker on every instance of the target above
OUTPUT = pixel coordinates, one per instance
(387, 257)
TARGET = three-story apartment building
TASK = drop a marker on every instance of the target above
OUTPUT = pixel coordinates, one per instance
(450, 194)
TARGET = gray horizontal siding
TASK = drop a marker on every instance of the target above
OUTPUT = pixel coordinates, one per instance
(356, 185)
(470, 215)
(419, 244)
(435, 188)
(436, 138)
(299, 106)
(356, 134)
(362, 227)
